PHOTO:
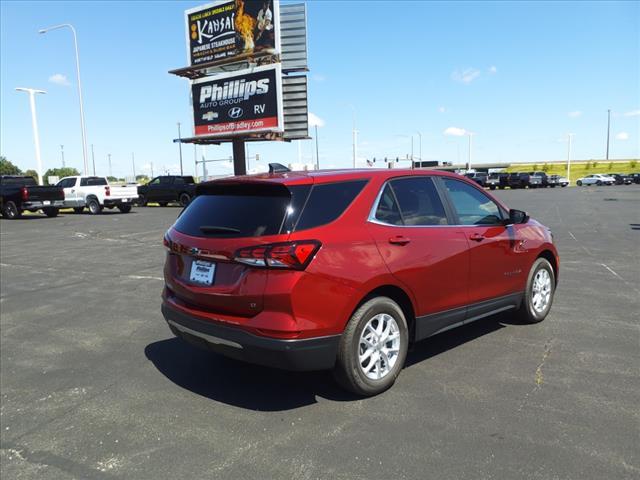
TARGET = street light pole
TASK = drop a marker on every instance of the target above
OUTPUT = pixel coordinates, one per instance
(570, 135)
(317, 155)
(469, 161)
(608, 130)
(34, 122)
(180, 148)
(62, 153)
(93, 160)
(133, 161)
(84, 133)
(420, 145)
(109, 156)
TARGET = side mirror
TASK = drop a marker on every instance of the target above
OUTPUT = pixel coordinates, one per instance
(517, 216)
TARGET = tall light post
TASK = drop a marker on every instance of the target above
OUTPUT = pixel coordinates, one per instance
(180, 147)
(317, 155)
(354, 135)
(34, 122)
(109, 157)
(84, 133)
(93, 160)
(470, 135)
(570, 137)
(419, 147)
(62, 154)
(608, 130)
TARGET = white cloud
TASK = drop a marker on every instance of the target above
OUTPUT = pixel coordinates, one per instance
(622, 136)
(493, 69)
(59, 79)
(455, 132)
(465, 76)
(632, 113)
(315, 120)
(574, 114)
(442, 109)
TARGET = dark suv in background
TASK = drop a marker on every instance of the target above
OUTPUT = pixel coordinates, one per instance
(166, 189)
(518, 180)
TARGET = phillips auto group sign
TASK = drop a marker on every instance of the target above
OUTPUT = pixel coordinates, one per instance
(238, 103)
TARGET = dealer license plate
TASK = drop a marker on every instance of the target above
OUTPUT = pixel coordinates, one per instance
(202, 272)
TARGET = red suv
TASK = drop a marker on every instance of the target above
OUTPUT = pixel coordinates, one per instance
(343, 270)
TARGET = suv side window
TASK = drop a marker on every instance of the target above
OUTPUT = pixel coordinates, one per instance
(165, 180)
(155, 181)
(419, 201)
(178, 181)
(471, 205)
(66, 183)
(388, 210)
(327, 201)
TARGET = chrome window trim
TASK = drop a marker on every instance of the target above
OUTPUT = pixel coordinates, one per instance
(372, 213)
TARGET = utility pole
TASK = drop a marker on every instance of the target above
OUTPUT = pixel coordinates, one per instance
(34, 123)
(133, 161)
(152, 168)
(195, 161)
(420, 146)
(411, 149)
(317, 155)
(180, 147)
(570, 135)
(93, 160)
(470, 143)
(608, 130)
(109, 156)
(62, 153)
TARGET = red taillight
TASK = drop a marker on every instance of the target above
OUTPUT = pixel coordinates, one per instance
(107, 191)
(294, 255)
(24, 193)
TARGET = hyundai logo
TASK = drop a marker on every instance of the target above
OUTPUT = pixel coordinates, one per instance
(235, 112)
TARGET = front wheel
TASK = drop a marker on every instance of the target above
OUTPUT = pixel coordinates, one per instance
(373, 347)
(11, 211)
(51, 211)
(124, 208)
(599, 183)
(538, 295)
(579, 183)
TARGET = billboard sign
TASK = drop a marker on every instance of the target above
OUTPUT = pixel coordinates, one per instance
(225, 30)
(238, 103)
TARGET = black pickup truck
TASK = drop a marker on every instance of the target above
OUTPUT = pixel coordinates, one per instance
(19, 193)
(168, 188)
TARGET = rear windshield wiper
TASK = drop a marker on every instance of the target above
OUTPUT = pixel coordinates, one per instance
(216, 229)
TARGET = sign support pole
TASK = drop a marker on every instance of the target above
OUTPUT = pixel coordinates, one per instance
(239, 159)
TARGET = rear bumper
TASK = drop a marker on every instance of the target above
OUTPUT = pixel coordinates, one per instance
(109, 202)
(41, 204)
(300, 355)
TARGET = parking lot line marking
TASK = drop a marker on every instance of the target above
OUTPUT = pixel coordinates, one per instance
(579, 244)
(145, 277)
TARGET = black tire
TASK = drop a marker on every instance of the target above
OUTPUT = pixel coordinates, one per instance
(348, 371)
(124, 208)
(527, 311)
(94, 206)
(185, 199)
(142, 200)
(163, 204)
(51, 211)
(11, 211)
(78, 209)
(579, 183)
(492, 187)
(599, 183)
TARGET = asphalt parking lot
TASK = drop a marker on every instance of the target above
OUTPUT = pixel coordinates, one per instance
(94, 386)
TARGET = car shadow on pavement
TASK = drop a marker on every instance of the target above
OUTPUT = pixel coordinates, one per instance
(267, 389)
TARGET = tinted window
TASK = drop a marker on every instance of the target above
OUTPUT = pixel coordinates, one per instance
(92, 181)
(419, 201)
(188, 179)
(18, 181)
(471, 205)
(178, 181)
(327, 202)
(388, 210)
(165, 180)
(236, 210)
(155, 181)
(67, 183)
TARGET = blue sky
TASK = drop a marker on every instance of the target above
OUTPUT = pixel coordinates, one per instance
(519, 75)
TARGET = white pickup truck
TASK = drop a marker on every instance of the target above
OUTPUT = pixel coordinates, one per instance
(95, 193)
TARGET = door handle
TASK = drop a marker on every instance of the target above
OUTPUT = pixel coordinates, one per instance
(476, 237)
(399, 240)
(72, 191)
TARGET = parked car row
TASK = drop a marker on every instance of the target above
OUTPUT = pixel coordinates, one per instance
(517, 180)
(608, 179)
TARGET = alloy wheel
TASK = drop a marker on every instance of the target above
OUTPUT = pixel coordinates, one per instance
(541, 291)
(379, 346)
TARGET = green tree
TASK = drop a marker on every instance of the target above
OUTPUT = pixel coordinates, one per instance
(595, 164)
(112, 179)
(59, 172)
(535, 167)
(587, 166)
(8, 168)
(32, 173)
(142, 179)
(610, 167)
(633, 163)
(545, 167)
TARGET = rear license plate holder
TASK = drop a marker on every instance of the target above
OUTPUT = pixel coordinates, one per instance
(202, 272)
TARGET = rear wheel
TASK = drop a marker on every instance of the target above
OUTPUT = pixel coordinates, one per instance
(185, 199)
(51, 211)
(599, 183)
(94, 206)
(142, 201)
(372, 348)
(579, 183)
(538, 295)
(11, 211)
(124, 208)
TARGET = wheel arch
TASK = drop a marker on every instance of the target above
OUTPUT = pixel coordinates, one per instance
(398, 295)
(551, 258)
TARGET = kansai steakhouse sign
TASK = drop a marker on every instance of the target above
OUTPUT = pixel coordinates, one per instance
(238, 103)
(224, 30)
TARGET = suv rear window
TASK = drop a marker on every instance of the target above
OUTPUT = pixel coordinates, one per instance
(254, 210)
